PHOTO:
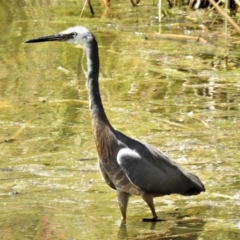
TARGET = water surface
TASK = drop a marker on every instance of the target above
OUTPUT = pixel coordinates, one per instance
(179, 95)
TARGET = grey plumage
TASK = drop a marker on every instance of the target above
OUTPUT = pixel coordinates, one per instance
(127, 165)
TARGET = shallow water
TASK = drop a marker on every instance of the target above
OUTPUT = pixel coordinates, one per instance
(178, 95)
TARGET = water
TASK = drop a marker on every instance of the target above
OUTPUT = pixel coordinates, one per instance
(178, 95)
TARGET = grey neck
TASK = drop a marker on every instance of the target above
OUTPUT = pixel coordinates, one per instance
(95, 101)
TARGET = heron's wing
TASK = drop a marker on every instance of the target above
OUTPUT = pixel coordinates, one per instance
(150, 178)
(192, 183)
(163, 173)
(106, 177)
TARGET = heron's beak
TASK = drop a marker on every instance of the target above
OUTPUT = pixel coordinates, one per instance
(56, 37)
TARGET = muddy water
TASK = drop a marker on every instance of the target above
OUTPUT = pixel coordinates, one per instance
(178, 95)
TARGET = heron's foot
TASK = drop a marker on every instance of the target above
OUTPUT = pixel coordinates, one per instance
(154, 219)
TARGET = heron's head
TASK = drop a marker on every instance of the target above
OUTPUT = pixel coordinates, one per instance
(76, 35)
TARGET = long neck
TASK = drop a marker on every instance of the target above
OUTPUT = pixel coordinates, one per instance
(103, 131)
(95, 101)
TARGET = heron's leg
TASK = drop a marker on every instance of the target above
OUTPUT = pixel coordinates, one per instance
(123, 202)
(149, 200)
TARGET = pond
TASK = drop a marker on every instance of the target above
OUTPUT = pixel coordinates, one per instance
(178, 94)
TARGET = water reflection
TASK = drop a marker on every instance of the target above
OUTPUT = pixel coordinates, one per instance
(189, 228)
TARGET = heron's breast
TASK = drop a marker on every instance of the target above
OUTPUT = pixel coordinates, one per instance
(106, 144)
(108, 148)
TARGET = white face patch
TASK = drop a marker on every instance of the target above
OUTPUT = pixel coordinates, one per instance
(82, 34)
(77, 29)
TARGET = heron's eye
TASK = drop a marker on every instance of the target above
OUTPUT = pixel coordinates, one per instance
(72, 35)
(68, 36)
